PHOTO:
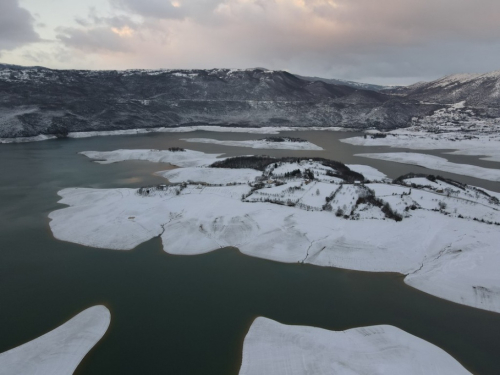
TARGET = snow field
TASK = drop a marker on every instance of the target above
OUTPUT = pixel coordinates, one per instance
(278, 349)
(61, 350)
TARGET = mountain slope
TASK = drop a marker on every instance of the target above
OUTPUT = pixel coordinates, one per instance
(480, 90)
(354, 84)
(36, 100)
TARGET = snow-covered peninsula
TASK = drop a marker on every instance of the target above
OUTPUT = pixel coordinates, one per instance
(436, 163)
(279, 349)
(441, 234)
(176, 156)
(454, 128)
(59, 351)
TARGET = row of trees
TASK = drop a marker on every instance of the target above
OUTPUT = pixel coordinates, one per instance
(283, 139)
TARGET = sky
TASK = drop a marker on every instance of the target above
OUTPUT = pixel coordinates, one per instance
(389, 42)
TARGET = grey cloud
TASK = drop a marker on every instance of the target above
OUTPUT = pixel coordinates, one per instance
(389, 40)
(151, 8)
(16, 25)
(36, 56)
(97, 34)
(97, 39)
(398, 65)
(199, 9)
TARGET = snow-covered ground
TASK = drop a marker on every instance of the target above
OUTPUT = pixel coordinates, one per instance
(447, 233)
(477, 139)
(456, 127)
(186, 158)
(210, 175)
(37, 138)
(279, 349)
(61, 350)
(260, 143)
(437, 163)
(306, 196)
(370, 173)
(321, 172)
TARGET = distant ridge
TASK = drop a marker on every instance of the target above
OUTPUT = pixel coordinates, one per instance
(40, 101)
(354, 84)
(481, 90)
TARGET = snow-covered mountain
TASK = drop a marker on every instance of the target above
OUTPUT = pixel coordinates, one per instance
(36, 100)
(354, 84)
(480, 90)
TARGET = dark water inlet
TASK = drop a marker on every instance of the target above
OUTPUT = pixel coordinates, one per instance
(189, 314)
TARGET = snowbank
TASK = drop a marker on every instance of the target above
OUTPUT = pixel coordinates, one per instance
(263, 144)
(274, 348)
(59, 351)
(210, 175)
(186, 158)
(437, 163)
(37, 138)
(487, 146)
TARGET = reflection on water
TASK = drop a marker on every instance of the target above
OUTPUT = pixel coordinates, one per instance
(189, 314)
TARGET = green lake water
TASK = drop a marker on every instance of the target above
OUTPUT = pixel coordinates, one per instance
(189, 314)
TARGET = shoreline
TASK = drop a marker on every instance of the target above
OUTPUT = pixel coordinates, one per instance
(179, 129)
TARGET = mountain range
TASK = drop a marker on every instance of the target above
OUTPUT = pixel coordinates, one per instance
(38, 100)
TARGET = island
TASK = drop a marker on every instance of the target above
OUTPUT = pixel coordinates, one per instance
(441, 234)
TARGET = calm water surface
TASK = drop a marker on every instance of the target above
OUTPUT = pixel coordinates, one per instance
(189, 314)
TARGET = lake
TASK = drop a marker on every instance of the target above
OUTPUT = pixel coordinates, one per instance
(190, 314)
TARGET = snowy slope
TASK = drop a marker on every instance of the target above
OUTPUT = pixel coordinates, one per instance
(278, 349)
(59, 351)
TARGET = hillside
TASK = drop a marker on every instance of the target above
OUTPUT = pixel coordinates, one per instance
(476, 90)
(354, 84)
(37, 100)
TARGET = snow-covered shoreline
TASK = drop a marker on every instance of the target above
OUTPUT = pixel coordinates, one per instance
(37, 138)
(487, 147)
(436, 163)
(259, 143)
(278, 349)
(185, 158)
(180, 129)
(279, 221)
(61, 350)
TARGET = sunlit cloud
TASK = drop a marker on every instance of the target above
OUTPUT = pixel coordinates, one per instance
(123, 31)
